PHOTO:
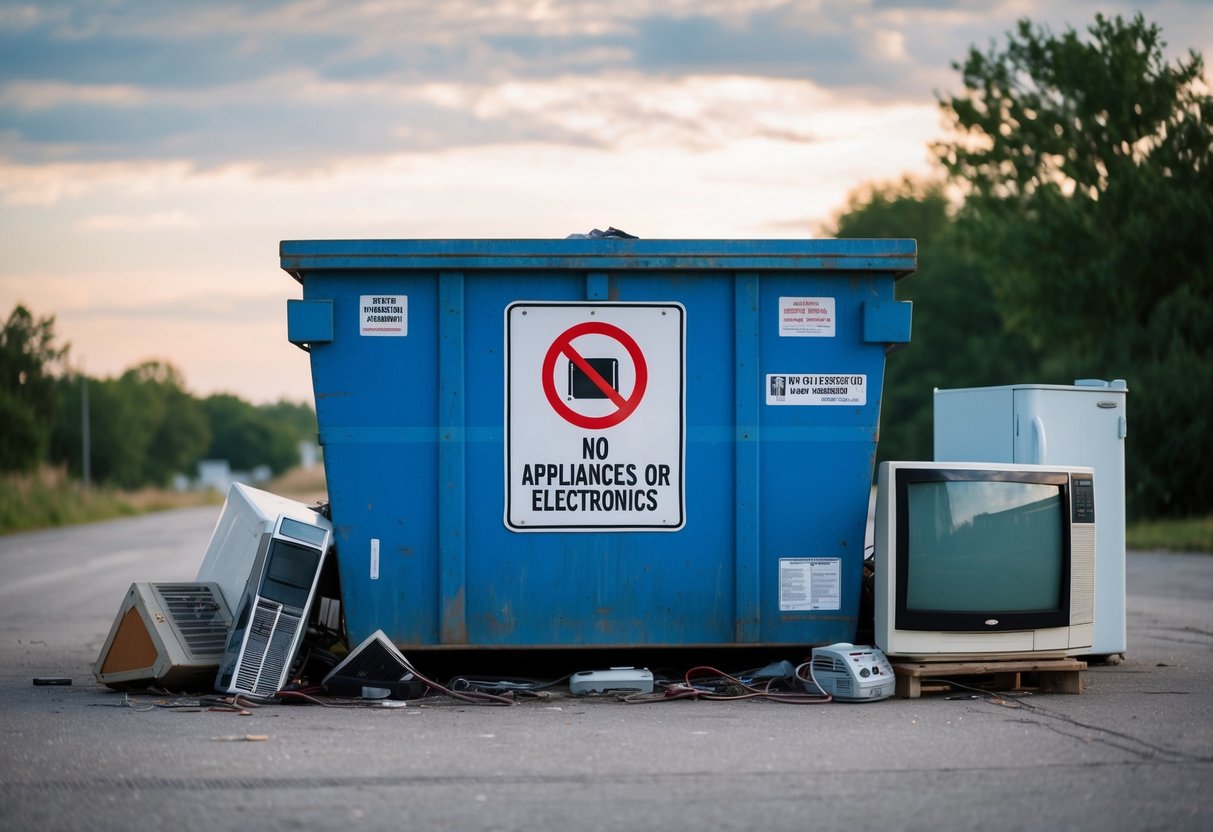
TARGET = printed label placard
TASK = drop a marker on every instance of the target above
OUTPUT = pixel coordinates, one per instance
(806, 317)
(594, 422)
(807, 584)
(383, 315)
(816, 389)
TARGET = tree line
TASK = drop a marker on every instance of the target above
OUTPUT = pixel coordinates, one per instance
(143, 426)
(1068, 235)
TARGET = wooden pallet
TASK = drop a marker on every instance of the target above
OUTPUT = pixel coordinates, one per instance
(1054, 675)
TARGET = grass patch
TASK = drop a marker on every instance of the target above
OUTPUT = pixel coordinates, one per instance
(307, 485)
(49, 497)
(1190, 535)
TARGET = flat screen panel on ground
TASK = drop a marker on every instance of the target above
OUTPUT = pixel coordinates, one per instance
(594, 416)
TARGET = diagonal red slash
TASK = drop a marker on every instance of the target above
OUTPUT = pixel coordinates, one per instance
(563, 345)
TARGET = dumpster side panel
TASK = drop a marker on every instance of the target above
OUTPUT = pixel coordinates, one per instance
(376, 403)
(817, 458)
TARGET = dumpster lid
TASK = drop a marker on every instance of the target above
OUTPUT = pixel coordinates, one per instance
(899, 256)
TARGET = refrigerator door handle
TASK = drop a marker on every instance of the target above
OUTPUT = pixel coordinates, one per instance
(1039, 441)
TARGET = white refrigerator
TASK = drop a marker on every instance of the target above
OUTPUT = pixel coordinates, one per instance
(1082, 424)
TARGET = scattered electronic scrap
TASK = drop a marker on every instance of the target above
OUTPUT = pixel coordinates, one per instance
(265, 560)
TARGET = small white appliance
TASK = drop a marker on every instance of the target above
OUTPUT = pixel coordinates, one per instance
(616, 678)
(850, 673)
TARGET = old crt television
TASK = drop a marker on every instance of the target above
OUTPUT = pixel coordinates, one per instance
(984, 560)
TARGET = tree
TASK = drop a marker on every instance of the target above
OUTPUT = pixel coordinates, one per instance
(959, 337)
(297, 417)
(181, 433)
(1087, 169)
(29, 360)
(247, 437)
(144, 426)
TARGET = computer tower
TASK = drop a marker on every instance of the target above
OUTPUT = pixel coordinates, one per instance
(271, 617)
(167, 634)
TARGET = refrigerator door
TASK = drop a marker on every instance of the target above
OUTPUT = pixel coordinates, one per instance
(1086, 425)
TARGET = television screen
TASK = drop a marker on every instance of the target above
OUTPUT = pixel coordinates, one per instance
(985, 546)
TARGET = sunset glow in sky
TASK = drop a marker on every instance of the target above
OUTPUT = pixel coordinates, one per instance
(152, 154)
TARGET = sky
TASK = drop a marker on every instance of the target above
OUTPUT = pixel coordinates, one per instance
(153, 153)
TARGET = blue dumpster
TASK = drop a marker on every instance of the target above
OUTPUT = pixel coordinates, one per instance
(599, 442)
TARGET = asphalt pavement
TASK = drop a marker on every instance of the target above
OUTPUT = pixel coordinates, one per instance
(1134, 751)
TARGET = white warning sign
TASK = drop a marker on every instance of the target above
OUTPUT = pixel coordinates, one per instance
(595, 423)
(806, 317)
(807, 584)
(383, 315)
(816, 389)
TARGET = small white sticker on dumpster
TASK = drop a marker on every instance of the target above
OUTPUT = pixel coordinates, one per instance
(806, 317)
(816, 389)
(807, 584)
(383, 314)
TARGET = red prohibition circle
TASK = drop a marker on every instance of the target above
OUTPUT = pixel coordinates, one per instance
(624, 406)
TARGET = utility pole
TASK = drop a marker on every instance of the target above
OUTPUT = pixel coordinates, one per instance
(86, 439)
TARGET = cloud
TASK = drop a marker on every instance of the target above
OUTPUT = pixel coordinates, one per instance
(43, 95)
(202, 309)
(310, 85)
(293, 83)
(378, 121)
(155, 221)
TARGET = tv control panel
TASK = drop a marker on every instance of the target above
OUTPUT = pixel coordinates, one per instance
(1082, 499)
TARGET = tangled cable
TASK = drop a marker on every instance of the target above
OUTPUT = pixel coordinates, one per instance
(717, 685)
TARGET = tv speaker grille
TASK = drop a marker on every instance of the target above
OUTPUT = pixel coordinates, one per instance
(1082, 574)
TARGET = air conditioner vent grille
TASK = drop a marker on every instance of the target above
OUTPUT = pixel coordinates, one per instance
(198, 616)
